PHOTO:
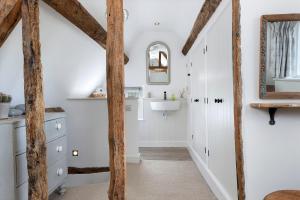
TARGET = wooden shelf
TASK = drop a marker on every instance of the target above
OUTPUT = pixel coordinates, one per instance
(273, 107)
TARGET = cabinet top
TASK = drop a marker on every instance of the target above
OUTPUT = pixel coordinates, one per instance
(20, 121)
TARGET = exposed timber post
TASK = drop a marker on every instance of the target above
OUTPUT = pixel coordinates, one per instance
(115, 94)
(34, 102)
(238, 96)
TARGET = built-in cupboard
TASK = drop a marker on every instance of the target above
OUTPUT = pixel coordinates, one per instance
(212, 119)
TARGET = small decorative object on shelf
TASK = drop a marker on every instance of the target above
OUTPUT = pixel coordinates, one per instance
(98, 93)
(4, 105)
(273, 107)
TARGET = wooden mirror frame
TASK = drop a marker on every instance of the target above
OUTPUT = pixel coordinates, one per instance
(148, 63)
(263, 94)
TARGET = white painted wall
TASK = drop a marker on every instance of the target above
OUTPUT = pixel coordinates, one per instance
(155, 131)
(136, 68)
(73, 63)
(272, 156)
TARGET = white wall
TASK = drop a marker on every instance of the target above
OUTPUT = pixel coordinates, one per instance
(73, 63)
(136, 68)
(155, 131)
(272, 156)
(87, 123)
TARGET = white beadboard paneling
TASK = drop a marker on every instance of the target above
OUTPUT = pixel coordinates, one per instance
(157, 131)
(221, 162)
(212, 77)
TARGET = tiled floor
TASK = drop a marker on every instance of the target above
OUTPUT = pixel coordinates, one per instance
(152, 180)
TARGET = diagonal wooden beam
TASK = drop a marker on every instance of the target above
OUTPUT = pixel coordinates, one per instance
(208, 9)
(10, 15)
(80, 17)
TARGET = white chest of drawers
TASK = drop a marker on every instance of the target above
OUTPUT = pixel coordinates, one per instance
(56, 138)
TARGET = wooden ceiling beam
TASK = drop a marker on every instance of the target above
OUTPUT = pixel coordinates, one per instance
(10, 15)
(80, 17)
(208, 9)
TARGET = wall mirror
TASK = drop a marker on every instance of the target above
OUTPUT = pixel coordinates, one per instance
(280, 56)
(158, 64)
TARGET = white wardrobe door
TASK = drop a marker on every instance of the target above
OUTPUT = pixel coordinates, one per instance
(220, 115)
(198, 95)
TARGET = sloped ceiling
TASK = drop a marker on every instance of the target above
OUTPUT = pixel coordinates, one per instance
(176, 16)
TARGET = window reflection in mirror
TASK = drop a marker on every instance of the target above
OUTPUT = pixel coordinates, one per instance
(283, 56)
(158, 64)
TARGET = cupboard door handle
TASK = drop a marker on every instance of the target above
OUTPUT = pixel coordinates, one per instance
(196, 100)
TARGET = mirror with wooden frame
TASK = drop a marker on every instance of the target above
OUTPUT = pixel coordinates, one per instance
(158, 64)
(280, 57)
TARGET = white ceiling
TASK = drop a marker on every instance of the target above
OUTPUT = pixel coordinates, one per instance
(176, 16)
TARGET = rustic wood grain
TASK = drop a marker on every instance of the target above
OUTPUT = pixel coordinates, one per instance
(284, 195)
(274, 105)
(10, 15)
(238, 97)
(5, 7)
(87, 170)
(115, 98)
(54, 110)
(208, 9)
(34, 102)
(263, 91)
(81, 18)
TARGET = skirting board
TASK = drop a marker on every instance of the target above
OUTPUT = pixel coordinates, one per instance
(163, 144)
(210, 178)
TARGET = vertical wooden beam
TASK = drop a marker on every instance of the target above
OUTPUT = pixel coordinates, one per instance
(115, 93)
(238, 94)
(34, 101)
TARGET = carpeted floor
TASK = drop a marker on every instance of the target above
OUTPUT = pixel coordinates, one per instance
(151, 180)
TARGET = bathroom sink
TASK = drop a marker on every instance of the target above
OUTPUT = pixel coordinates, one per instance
(165, 105)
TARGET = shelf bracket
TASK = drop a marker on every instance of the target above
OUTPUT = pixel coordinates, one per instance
(272, 112)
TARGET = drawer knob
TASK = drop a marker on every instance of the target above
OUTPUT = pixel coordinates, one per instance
(58, 126)
(60, 172)
(59, 149)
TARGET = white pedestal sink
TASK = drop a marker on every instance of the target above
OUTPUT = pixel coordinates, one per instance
(165, 105)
